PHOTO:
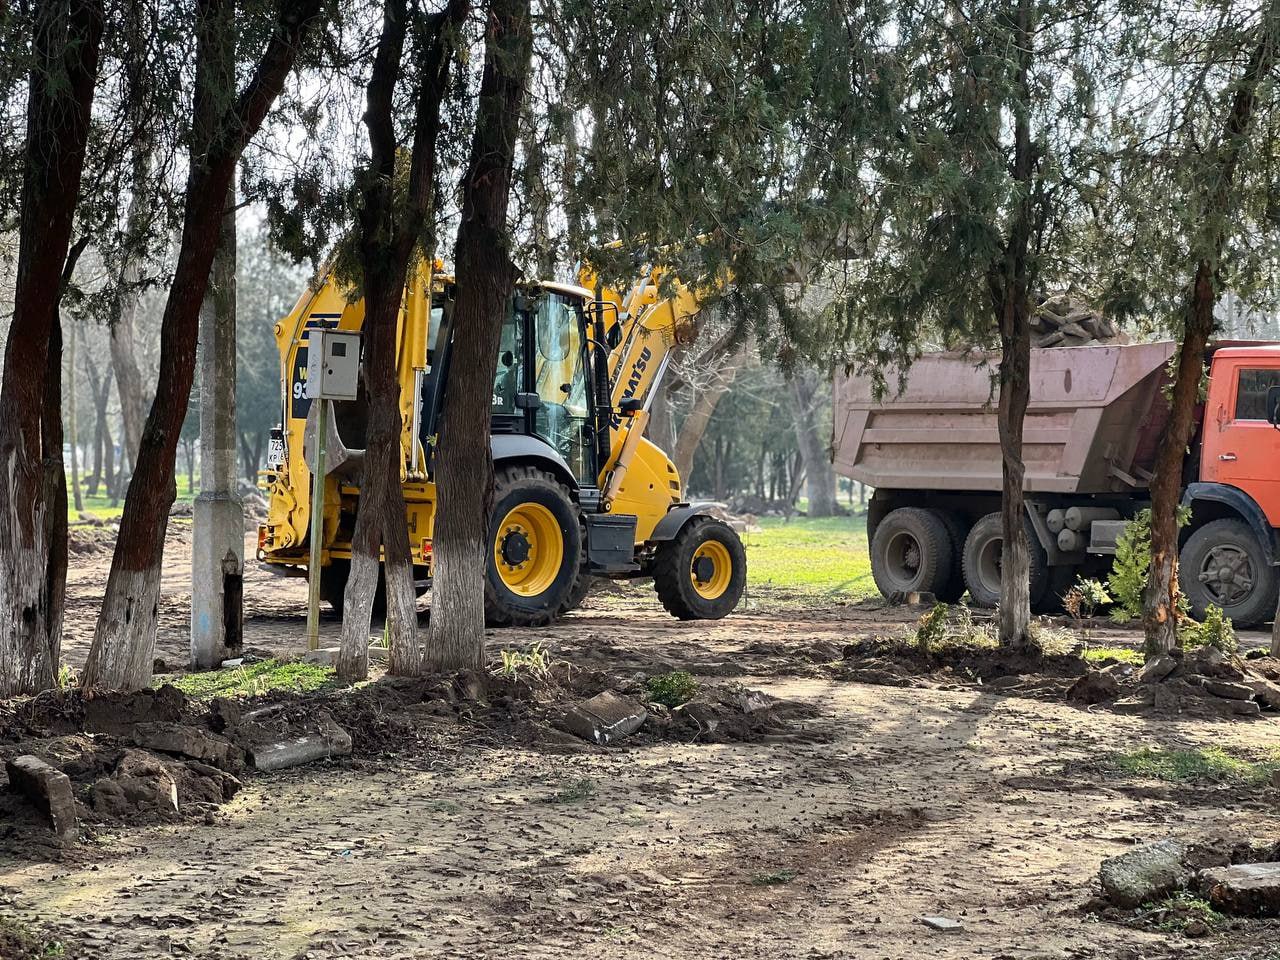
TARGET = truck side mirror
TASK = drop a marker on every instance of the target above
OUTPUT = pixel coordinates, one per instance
(613, 336)
(1273, 406)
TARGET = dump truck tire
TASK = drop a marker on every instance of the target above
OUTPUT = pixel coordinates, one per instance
(1223, 564)
(957, 530)
(981, 563)
(912, 553)
(700, 575)
(535, 549)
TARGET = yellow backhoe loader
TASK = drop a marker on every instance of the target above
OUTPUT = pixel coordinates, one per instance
(579, 492)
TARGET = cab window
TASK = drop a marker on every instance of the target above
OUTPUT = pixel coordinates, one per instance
(509, 375)
(1251, 393)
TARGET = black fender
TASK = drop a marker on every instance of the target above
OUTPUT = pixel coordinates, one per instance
(518, 447)
(669, 527)
(1240, 503)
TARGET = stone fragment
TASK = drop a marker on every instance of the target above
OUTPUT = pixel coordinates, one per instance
(1153, 671)
(1227, 690)
(141, 784)
(189, 742)
(1144, 873)
(605, 718)
(331, 741)
(1246, 889)
(1265, 691)
(48, 789)
(943, 924)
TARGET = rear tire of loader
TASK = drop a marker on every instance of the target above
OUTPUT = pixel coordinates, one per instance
(700, 575)
(912, 553)
(534, 558)
(982, 562)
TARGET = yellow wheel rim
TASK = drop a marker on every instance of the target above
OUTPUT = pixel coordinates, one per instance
(711, 583)
(528, 549)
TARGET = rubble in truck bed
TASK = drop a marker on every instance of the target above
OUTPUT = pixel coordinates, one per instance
(79, 761)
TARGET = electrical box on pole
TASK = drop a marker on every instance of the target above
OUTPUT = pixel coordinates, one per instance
(333, 373)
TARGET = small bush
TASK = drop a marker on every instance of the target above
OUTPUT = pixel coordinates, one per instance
(672, 689)
(1128, 577)
(1216, 631)
(518, 665)
(931, 630)
(941, 630)
(1085, 598)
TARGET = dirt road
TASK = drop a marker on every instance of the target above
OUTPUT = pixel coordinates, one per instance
(893, 804)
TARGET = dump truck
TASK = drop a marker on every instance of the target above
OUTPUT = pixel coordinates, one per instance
(1092, 430)
(579, 491)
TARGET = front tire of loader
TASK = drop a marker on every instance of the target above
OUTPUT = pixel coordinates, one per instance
(700, 575)
(534, 556)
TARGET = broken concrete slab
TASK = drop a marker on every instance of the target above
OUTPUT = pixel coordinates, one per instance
(943, 924)
(1153, 671)
(1144, 873)
(605, 718)
(1246, 889)
(190, 742)
(330, 741)
(1226, 689)
(47, 788)
(1265, 691)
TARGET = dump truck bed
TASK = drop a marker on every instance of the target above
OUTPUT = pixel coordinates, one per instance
(1091, 427)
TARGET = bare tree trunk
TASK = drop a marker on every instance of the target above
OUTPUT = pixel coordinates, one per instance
(1009, 297)
(806, 398)
(100, 391)
(55, 489)
(485, 276)
(65, 47)
(662, 429)
(73, 425)
(387, 240)
(1160, 599)
(704, 407)
(124, 640)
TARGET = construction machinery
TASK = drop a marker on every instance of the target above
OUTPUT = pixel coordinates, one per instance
(1091, 435)
(579, 492)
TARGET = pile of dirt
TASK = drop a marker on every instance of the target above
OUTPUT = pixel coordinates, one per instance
(1203, 682)
(91, 537)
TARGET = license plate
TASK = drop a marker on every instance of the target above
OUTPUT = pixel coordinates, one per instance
(275, 453)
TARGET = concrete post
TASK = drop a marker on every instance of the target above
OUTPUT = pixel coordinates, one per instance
(217, 561)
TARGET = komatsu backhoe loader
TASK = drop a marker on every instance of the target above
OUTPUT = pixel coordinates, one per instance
(579, 492)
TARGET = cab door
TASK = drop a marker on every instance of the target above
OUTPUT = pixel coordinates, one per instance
(1241, 448)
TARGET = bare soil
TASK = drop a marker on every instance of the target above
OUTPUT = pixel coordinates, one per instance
(878, 805)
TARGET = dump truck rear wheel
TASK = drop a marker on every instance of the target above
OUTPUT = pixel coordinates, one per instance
(1223, 564)
(700, 575)
(535, 549)
(957, 530)
(982, 562)
(912, 553)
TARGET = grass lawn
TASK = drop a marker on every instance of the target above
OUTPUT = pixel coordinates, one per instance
(822, 557)
(100, 505)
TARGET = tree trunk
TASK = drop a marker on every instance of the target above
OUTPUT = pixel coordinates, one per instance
(100, 391)
(1160, 599)
(485, 276)
(806, 397)
(387, 240)
(65, 48)
(662, 429)
(73, 425)
(121, 655)
(54, 492)
(1009, 284)
(704, 406)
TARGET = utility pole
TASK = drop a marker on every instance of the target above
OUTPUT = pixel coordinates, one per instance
(217, 562)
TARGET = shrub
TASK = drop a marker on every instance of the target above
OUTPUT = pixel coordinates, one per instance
(1085, 598)
(672, 689)
(1128, 578)
(1216, 631)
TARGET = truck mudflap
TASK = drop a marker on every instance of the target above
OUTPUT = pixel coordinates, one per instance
(1242, 504)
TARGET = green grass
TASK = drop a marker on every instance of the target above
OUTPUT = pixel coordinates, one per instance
(573, 791)
(1123, 654)
(773, 878)
(1211, 764)
(100, 505)
(253, 679)
(825, 557)
(1186, 908)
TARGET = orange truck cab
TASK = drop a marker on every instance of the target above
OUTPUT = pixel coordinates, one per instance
(1091, 434)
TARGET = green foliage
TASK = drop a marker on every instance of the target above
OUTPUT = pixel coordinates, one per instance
(1128, 577)
(1211, 764)
(573, 791)
(672, 689)
(1085, 598)
(773, 878)
(1216, 631)
(931, 630)
(530, 664)
(1184, 908)
(20, 942)
(1121, 654)
(944, 630)
(254, 679)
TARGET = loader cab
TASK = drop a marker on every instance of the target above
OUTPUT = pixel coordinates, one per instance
(542, 378)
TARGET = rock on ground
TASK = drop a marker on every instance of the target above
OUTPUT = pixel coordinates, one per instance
(1144, 873)
(48, 790)
(605, 718)
(1247, 889)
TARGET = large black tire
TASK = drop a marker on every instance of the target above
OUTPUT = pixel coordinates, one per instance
(1223, 564)
(333, 588)
(535, 530)
(981, 563)
(700, 575)
(957, 530)
(911, 553)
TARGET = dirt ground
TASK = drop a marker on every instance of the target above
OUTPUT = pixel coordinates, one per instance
(892, 804)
